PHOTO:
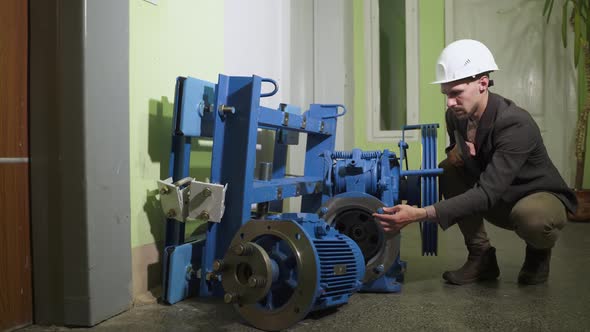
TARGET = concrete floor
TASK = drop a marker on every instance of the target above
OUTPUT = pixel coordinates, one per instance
(426, 302)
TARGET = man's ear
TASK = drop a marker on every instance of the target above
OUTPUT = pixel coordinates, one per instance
(484, 83)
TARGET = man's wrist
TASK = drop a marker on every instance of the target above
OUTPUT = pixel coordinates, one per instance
(423, 214)
(430, 213)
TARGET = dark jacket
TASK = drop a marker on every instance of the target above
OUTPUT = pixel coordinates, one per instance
(512, 159)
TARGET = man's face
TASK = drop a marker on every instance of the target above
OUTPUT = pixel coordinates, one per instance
(463, 97)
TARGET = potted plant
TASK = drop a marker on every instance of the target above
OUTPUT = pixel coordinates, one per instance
(576, 14)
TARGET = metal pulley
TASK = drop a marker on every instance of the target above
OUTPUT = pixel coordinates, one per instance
(352, 215)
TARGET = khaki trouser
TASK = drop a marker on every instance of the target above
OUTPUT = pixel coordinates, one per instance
(537, 218)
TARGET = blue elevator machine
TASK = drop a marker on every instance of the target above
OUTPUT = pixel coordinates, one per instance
(276, 267)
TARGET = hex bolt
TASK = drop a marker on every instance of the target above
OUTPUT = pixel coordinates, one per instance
(318, 188)
(204, 215)
(323, 211)
(252, 281)
(190, 272)
(320, 230)
(205, 108)
(379, 268)
(224, 110)
(256, 282)
(210, 276)
(243, 249)
(230, 298)
(207, 192)
(218, 265)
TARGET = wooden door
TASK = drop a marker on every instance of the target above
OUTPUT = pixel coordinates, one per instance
(15, 252)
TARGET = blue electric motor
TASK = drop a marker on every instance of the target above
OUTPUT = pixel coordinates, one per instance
(278, 270)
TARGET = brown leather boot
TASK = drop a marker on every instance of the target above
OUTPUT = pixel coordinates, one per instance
(535, 269)
(479, 266)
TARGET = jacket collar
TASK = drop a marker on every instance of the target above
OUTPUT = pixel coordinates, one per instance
(486, 122)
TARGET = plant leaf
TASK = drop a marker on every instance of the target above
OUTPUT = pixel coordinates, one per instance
(564, 22)
(550, 9)
(577, 35)
(546, 7)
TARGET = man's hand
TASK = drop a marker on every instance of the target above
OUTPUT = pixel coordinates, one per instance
(395, 218)
(454, 156)
(471, 147)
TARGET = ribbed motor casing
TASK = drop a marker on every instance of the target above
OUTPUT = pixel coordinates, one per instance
(342, 266)
(339, 260)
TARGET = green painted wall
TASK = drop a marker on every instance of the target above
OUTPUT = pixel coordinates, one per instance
(432, 105)
(432, 42)
(359, 73)
(392, 64)
(173, 38)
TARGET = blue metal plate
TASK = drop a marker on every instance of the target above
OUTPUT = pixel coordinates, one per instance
(197, 108)
(183, 261)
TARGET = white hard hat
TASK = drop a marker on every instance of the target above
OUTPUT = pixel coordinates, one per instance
(463, 58)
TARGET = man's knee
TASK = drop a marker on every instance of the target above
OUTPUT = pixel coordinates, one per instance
(538, 219)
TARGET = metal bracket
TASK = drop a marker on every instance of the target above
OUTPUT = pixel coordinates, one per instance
(207, 201)
(198, 200)
(174, 198)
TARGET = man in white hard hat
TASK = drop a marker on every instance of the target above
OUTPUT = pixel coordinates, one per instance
(496, 168)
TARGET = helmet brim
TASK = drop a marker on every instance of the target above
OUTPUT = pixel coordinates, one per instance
(462, 78)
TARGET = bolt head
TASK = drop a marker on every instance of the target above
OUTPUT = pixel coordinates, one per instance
(379, 268)
(217, 265)
(252, 282)
(239, 249)
(230, 298)
(204, 215)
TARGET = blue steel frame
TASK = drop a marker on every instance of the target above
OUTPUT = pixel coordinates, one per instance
(233, 161)
(230, 113)
(428, 174)
(234, 157)
(192, 117)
